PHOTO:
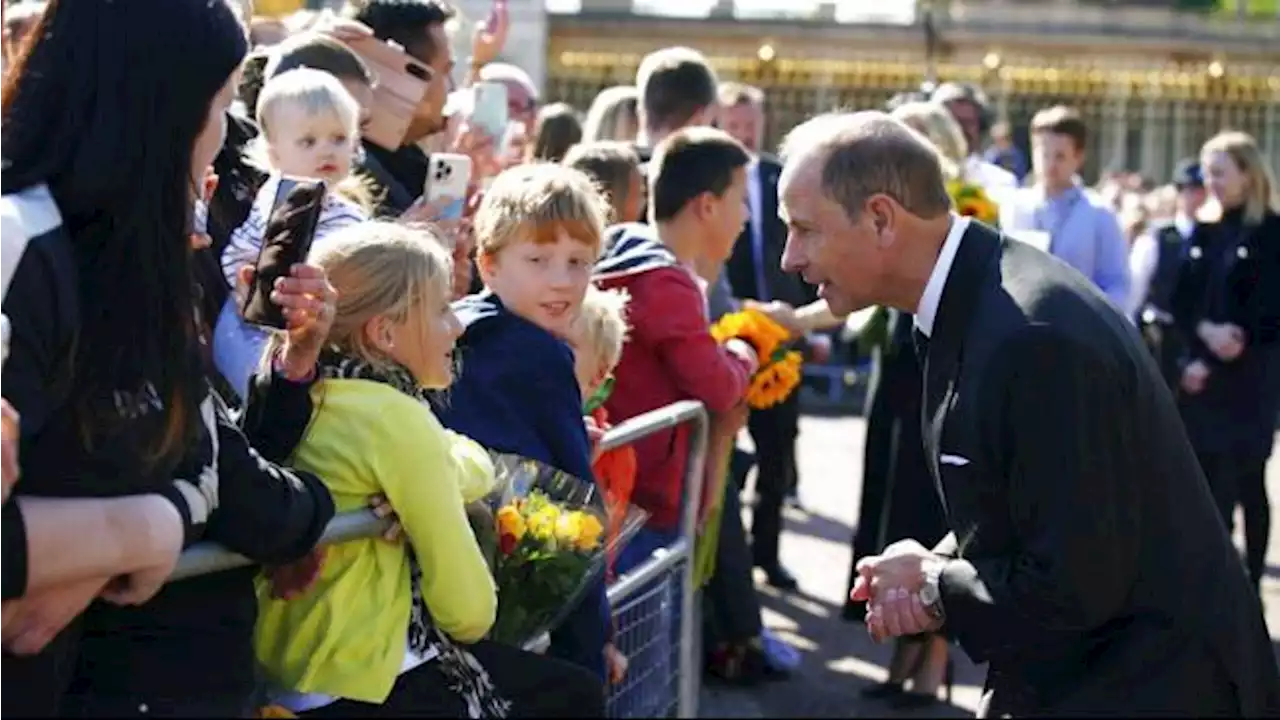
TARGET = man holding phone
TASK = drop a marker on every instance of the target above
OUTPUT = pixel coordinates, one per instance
(417, 26)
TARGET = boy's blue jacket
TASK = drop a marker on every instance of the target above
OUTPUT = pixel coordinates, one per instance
(516, 393)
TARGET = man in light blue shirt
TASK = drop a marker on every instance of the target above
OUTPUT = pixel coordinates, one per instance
(1063, 217)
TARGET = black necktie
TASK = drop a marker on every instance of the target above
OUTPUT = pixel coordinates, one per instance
(921, 341)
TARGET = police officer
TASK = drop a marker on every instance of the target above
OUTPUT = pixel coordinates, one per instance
(1154, 262)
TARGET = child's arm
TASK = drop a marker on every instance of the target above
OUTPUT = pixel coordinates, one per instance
(675, 324)
(243, 245)
(416, 464)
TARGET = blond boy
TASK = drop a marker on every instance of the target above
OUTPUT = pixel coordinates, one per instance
(538, 233)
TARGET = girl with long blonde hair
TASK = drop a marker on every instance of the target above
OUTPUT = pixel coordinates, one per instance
(1227, 306)
(414, 613)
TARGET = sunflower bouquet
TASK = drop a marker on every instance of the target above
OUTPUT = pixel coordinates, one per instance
(552, 545)
(971, 200)
(779, 372)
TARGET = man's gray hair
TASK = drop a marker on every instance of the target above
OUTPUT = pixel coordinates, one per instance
(871, 153)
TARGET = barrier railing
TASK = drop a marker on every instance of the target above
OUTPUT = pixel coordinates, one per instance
(671, 566)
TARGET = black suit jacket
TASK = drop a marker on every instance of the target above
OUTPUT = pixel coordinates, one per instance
(1095, 575)
(1232, 274)
(787, 287)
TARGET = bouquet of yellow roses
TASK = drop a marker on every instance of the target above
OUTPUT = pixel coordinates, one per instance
(779, 372)
(552, 545)
(971, 200)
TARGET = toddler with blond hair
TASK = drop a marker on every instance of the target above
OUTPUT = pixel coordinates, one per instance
(310, 129)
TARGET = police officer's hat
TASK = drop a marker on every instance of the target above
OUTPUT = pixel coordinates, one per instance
(1187, 174)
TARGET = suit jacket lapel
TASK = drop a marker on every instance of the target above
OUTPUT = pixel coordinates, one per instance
(969, 275)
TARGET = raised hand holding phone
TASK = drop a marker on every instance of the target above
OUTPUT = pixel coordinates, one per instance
(491, 35)
(286, 241)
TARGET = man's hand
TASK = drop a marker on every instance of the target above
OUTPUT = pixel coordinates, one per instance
(163, 524)
(33, 621)
(8, 446)
(1194, 376)
(340, 28)
(491, 35)
(482, 148)
(1225, 340)
(779, 312)
(891, 584)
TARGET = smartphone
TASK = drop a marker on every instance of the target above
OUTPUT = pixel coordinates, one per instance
(286, 241)
(489, 109)
(448, 176)
(402, 82)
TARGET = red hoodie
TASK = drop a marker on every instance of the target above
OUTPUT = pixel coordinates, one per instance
(669, 356)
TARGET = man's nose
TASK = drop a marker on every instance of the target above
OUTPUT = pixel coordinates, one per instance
(791, 256)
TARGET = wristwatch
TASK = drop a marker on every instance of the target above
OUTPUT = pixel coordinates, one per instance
(930, 591)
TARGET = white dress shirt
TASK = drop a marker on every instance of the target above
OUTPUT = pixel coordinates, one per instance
(927, 311)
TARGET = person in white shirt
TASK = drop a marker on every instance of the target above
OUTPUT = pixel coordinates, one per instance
(1157, 253)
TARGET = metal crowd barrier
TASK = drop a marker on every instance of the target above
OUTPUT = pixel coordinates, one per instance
(641, 599)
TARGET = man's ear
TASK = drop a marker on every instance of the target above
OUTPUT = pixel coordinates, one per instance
(882, 211)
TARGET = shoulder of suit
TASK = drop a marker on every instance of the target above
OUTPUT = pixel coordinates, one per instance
(769, 162)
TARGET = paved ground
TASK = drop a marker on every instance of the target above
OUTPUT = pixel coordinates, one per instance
(838, 657)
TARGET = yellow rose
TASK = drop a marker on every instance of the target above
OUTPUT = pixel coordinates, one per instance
(511, 522)
(543, 523)
(589, 531)
(567, 528)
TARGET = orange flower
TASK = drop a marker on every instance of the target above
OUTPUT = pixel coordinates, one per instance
(754, 328)
(775, 382)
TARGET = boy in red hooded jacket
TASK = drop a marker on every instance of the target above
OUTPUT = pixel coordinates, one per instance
(697, 207)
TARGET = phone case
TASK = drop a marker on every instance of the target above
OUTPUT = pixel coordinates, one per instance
(285, 242)
(489, 111)
(448, 175)
(402, 83)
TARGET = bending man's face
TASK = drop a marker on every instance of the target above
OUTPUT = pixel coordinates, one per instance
(840, 256)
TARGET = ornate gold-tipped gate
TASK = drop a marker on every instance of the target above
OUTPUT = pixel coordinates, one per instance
(1144, 114)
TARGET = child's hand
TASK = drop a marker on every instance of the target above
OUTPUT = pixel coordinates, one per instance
(743, 350)
(595, 433)
(615, 664)
(382, 508)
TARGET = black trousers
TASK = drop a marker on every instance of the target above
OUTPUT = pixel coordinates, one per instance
(774, 433)
(537, 686)
(1242, 479)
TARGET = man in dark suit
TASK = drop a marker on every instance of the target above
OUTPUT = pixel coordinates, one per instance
(1086, 564)
(755, 272)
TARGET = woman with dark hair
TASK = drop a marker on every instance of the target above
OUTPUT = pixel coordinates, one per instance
(110, 121)
(557, 129)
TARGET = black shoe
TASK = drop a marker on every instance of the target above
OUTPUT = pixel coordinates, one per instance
(882, 691)
(778, 577)
(913, 700)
